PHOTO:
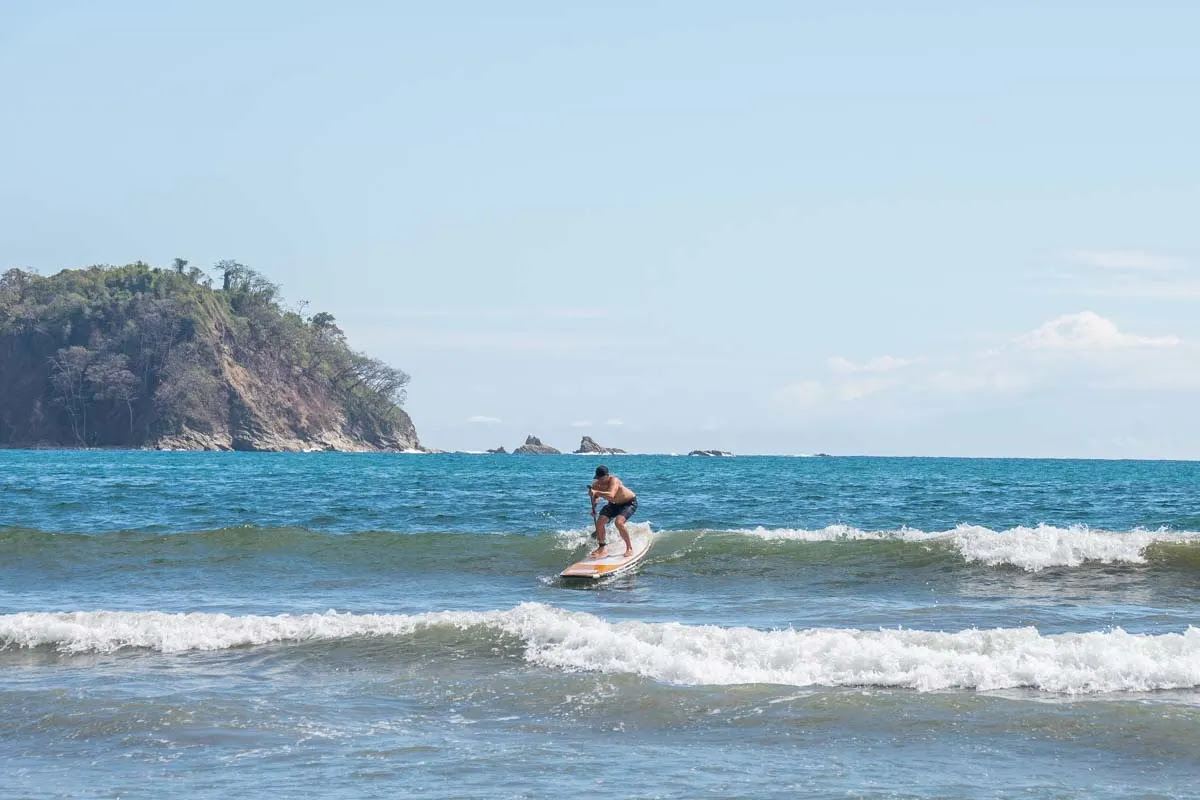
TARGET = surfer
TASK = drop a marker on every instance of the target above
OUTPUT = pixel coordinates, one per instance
(622, 503)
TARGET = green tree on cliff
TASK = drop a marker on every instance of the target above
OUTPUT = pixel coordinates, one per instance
(122, 356)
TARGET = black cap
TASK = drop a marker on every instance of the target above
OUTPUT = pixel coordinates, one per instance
(601, 471)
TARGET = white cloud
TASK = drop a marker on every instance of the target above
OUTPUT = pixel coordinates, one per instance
(1126, 260)
(863, 387)
(614, 423)
(1087, 330)
(810, 395)
(482, 420)
(877, 364)
(1126, 273)
(1147, 289)
(1078, 349)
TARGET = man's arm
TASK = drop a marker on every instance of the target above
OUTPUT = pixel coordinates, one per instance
(611, 494)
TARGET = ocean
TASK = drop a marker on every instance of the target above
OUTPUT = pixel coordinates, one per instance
(215, 625)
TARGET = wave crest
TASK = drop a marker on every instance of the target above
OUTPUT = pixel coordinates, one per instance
(1029, 548)
(985, 660)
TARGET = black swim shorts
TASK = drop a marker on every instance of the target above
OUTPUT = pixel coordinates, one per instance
(625, 510)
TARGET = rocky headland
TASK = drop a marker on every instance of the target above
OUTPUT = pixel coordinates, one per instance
(142, 357)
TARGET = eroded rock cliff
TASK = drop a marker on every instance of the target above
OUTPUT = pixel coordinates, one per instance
(137, 356)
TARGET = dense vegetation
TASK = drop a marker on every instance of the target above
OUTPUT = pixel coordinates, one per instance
(124, 356)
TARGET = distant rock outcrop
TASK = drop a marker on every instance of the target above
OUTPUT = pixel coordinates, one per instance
(588, 445)
(533, 445)
(710, 453)
(498, 451)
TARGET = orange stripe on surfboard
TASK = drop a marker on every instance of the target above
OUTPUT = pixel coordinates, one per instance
(612, 563)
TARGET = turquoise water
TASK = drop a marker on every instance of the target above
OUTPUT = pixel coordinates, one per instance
(392, 625)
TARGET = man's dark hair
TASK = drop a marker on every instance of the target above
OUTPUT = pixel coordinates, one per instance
(601, 471)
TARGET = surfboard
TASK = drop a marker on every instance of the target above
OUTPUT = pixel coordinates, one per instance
(615, 562)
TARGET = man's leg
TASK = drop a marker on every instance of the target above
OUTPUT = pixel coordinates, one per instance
(602, 543)
(624, 535)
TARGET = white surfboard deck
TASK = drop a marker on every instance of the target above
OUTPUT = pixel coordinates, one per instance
(615, 562)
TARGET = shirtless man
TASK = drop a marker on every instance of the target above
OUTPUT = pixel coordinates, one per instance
(622, 502)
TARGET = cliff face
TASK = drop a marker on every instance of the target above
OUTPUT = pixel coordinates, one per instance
(259, 411)
(142, 357)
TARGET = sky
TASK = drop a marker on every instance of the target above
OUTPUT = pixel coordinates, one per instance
(773, 227)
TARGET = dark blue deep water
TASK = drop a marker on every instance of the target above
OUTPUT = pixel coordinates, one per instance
(211, 625)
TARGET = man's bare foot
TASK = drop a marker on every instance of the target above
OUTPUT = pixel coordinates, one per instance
(599, 551)
(628, 553)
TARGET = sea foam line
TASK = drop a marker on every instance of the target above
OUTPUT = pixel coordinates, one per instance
(1030, 548)
(573, 538)
(1002, 658)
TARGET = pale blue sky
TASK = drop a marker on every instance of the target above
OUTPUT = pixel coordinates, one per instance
(890, 228)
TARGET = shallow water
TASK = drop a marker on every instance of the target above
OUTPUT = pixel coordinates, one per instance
(383, 625)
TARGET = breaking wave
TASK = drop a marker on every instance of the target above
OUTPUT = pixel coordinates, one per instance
(1028, 548)
(986, 660)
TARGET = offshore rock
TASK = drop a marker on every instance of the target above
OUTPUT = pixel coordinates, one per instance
(534, 446)
(588, 445)
(716, 453)
(498, 451)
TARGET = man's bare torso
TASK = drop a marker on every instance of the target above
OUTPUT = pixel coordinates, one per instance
(621, 493)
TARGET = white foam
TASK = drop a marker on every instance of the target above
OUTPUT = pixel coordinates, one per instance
(576, 537)
(831, 533)
(1034, 549)
(1031, 549)
(1004, 658)
(109, 631)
